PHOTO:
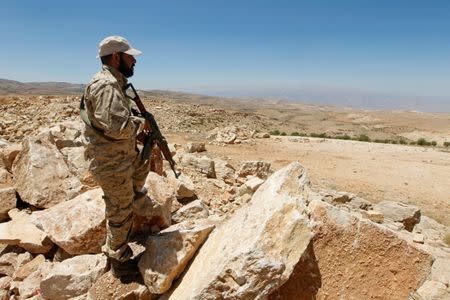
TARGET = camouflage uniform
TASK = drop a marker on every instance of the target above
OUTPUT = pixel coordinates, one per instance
(114, 158)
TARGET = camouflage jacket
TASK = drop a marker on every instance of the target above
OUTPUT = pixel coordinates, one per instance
(109, 112)
(107, 107)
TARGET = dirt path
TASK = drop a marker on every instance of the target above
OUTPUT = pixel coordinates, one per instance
(373, 171)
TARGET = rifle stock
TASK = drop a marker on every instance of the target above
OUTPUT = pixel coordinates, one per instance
(155, 135)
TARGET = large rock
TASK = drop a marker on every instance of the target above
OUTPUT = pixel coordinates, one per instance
(191, 211)
(77, 225)
(8, 154)
(183, 185)
(433, 231)
(432, 290)
(194, 147)
(155, 208)
(336, 197)
(30, 286)
(231, 134)
(260, 169)
(5, 282)
(65, 134)
(78, 165)
(73, 277)
(407, 214)
(255, 251)
(7, 202)
(440, 271)
(224, 171)
(5, 178)
(203, 164)
(26, 269)
(41, 176)
(22, 232)
(353, 258)
(254, 183)
(168, 253)
(228, 135)
(108, 287)
(11, 261)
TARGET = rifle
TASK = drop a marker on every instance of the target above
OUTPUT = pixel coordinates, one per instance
(155, 135)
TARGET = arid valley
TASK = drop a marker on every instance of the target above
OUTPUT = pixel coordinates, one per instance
(355, 159)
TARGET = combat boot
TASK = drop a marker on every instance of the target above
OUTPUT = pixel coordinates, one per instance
(126, 268)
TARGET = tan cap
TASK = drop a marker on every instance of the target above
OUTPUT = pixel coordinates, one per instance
(116, 43)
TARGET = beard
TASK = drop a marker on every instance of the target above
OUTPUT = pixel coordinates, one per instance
(125, 70)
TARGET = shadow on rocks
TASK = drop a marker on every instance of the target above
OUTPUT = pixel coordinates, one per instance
(304, 282)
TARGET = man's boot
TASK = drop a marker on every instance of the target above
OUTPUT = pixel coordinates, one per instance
(126, 268)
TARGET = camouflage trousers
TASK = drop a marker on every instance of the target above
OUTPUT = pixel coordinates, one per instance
(121, 183)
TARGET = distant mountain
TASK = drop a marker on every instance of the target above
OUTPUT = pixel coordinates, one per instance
(341, 97)
(39, 88)
(345, 97)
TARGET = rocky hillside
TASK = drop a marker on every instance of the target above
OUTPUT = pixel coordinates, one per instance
(25, 115)
(11, 87)
(220, 231)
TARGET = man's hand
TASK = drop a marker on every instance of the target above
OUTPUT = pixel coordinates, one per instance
(141, 137)
(146, 127)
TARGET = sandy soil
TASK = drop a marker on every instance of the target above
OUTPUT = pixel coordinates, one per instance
(373, 171)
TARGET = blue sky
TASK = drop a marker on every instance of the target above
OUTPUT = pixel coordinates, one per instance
(396, 46)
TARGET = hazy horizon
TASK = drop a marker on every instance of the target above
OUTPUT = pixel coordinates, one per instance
(320, 95)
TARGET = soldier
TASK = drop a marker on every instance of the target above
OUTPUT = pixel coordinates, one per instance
(111, 132)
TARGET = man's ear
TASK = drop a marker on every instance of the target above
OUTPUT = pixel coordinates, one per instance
(116, 58)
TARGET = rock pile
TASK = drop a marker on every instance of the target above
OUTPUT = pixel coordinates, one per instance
(217, 232)
(234, 135)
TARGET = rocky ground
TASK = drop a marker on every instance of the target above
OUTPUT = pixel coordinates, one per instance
(244, 220)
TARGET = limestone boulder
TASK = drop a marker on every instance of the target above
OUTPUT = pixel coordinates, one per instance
(195, 147)
(23, 233)
(26, 269)
(5, 282)
(78, 225)
(191, 211)
(254, 251)
(5, 178)
(433, 290)
(374, 216)
(155, 207)
(167, 254)
(353, 258)
(260, 169)
(11, 261)
(65, 134)
(7, 202)
(433, 231)
(336, 197)
(30, 286)
(359, 203)
(262, 135)
(8, 154)
(108, 287)
(73, 277)
(183, 186)
(203, 164)
(78, 165)
(224, 171)
(440, 271)
(407, 214)
(226, 136)
(41, 176)
(254, 183)
(231, 134)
